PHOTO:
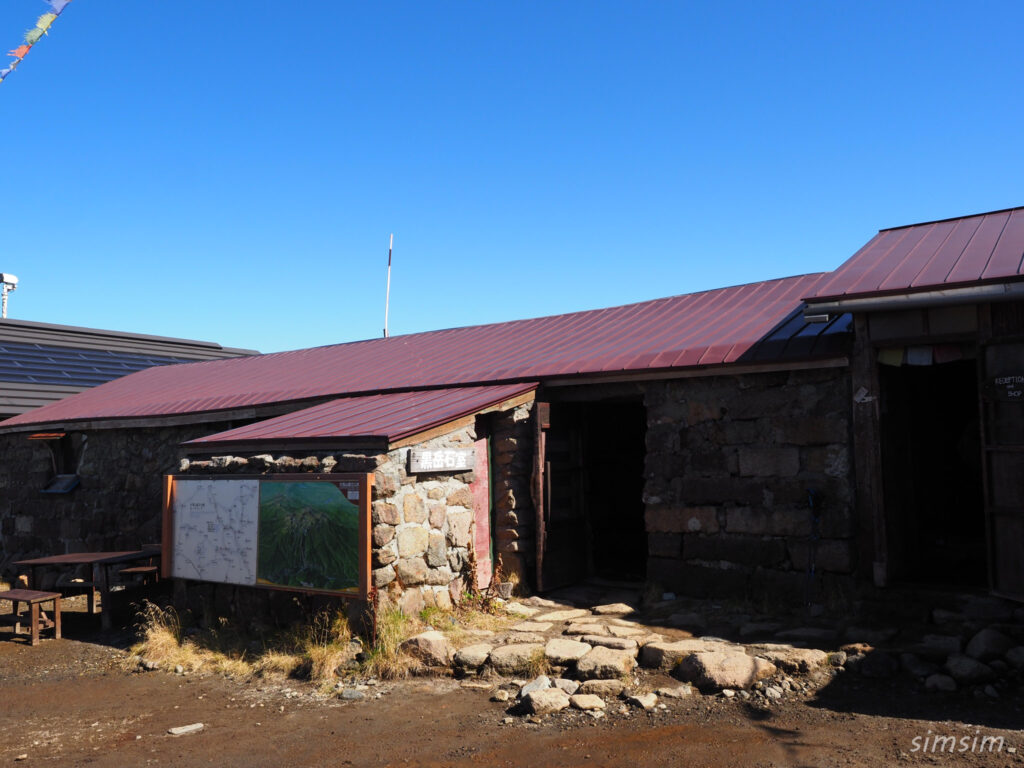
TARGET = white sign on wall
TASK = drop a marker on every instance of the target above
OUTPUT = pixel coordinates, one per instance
(441, 460)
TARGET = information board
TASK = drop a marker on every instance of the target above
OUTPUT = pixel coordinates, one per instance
(301, 532)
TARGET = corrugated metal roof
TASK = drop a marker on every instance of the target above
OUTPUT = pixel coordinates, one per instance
(41, 362)
(388, 417)
(952, 252)
(698, 329)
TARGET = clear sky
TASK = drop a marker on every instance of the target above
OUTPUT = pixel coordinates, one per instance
(231, 171)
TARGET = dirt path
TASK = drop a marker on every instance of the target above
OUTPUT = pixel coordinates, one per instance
(69, 703)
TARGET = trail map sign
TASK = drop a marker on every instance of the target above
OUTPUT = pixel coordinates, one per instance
(301, 532)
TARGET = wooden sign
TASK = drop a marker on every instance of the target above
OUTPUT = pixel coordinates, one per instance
(1009, 388)
(441, 460)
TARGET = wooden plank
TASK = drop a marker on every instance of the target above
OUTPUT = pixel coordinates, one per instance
(167, 529)
(541, 422)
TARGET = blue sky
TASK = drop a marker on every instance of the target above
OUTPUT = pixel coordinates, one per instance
(231, 171)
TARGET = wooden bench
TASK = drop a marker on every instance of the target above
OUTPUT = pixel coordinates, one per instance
(34, 599)
(144, 573)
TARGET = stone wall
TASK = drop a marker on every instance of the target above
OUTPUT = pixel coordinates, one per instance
(118, 504)
(421, 525)
(730, 462)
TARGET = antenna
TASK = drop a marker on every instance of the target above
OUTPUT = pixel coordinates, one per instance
(387, 295)
(8, 283)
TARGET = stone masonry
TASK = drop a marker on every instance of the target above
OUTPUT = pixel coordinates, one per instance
(730, 462)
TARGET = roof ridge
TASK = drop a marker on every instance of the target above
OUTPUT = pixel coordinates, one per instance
(952, 218)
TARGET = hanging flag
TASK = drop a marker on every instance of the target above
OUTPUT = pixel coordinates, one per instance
(34, 35)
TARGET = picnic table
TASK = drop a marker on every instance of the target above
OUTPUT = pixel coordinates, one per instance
(100, 562)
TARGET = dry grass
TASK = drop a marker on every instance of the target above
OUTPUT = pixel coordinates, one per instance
(312, 651)
(386, 659)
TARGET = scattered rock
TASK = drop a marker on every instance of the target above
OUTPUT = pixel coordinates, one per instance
(514, 659)
(501, 695)
(619, 643)
(539, 683)
(532, 626)
(182, 730)
(518, 609)
(837, 658)
(773, 692)
(968, 671)
(605, 663)
(586, 629)
(728, 693)
(351, 694)
(602, 687)
(790, 659)
(939, 682)
(714, 670)
(586, 702)
(546, 701)
(473, 656)
(618, 631)
(988, 644)
(432, 648)
(991, 692)
(613, 609)
(856, 649)
(667, 655)
(645, 701)
(150, 666)
(565, 615)
(569, 686)
(562, 651)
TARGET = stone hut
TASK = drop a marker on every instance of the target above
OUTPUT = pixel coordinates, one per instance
(794, 439)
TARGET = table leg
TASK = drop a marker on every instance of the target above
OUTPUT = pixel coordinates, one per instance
(34, 611)
(92, 589)
(15, 605)
(56, 617)
(105, 596)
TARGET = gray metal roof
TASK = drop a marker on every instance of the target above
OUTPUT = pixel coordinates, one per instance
(41, 362)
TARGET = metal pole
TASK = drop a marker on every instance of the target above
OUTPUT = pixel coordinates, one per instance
(387, 295)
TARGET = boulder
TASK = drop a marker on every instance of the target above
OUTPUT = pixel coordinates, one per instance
(473, 656)
(790, 659)
(618, 643)
(879, 665)
(432, 648)
(1016, 657)
(613, 609)
(603, 687)
(666, 655)
(968, 671)
(586, 701)
(988, 644)
(569, 686)
(514, 659)
(715, 670)
(539, 683)
(645, 701)
(563, 651)
(915, 666)
(938, 647)
(604, 663)
(545, 701)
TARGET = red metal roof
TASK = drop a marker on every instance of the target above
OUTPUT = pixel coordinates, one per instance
(698, 329)
(947, 253)
(391, 417)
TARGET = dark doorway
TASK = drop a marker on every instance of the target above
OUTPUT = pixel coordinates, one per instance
(932, 474)
(594, 475)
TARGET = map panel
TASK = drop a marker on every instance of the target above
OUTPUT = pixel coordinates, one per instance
(215, 530)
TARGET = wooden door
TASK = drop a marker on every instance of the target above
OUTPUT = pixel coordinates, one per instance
(559, 497)
(1002, 391)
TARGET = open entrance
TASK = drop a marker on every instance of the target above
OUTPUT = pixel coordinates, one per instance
(932, 474)
(591, 475)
